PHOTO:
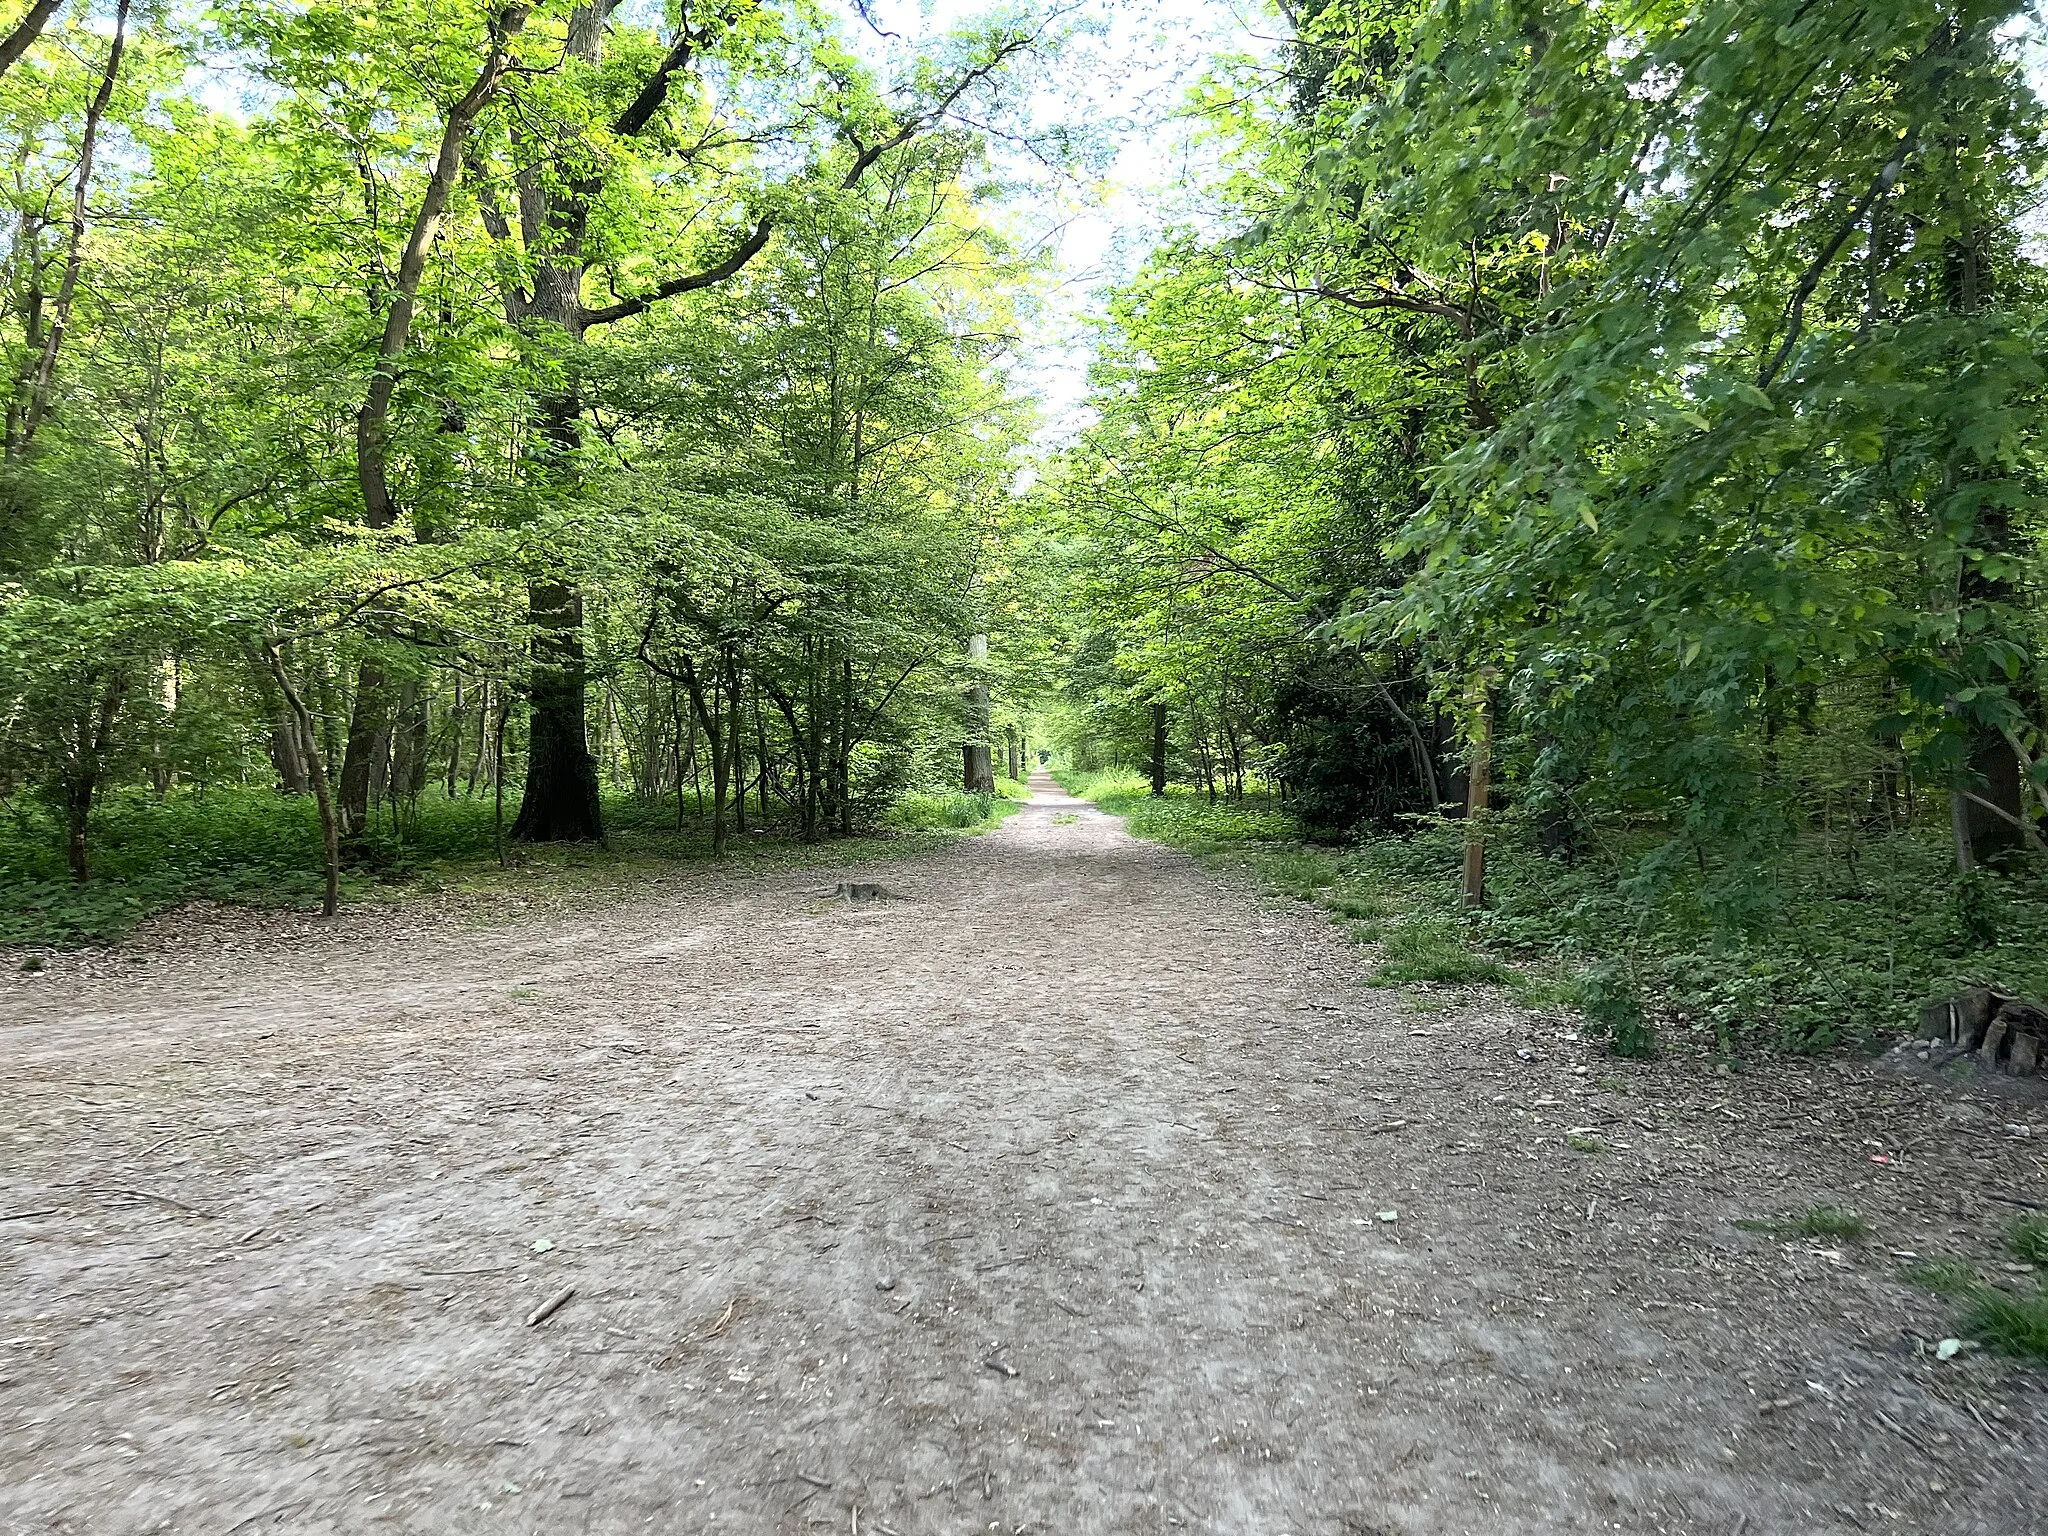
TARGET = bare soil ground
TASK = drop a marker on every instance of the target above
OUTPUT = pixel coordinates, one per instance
(1073, 1189)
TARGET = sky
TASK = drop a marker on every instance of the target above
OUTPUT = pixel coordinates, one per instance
(1127, 79)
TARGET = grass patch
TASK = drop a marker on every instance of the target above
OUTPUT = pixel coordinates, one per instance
(1185, 818)
(1359, 906)
(2018, 1325)
(1944, 1277)
(1833, 1222)
(2016, 1321)
(1829, 943)
(1432, 949)
(1379, 896)
(2028, 1238)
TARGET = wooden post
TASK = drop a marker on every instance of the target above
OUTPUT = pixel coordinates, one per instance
(1478, 791)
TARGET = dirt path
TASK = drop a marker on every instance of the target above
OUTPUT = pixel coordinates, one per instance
(1072, 1190)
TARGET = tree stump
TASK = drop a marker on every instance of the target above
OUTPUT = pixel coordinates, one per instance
(2005, 1034)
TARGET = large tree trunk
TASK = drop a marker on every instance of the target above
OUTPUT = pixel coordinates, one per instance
(561, 800)
(368, 738)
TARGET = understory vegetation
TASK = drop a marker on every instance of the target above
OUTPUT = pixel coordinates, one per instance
(2012, 1313)
(250, 847)
(1847, 964)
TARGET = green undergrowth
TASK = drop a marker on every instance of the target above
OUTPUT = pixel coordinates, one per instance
(1183, 817)
(259, 849)
(1815, 952)
(1368, 890)
(956, 810)
(2010, 1317)
(1804, 949)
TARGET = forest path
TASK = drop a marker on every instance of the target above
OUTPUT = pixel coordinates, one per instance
(1045, 1196)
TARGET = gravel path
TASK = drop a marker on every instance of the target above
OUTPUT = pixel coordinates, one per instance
(1069, 1189)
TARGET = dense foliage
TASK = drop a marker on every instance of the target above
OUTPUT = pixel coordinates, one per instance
(528, 403)
(1651, 393)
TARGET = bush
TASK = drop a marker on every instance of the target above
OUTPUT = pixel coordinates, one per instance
(958, 810)
(1607, 996)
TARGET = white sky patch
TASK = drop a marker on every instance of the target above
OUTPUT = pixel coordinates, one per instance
(1127, 83)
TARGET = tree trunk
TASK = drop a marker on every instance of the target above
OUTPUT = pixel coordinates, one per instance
(977, 765)
(368, 736)
(409, 744)
(82, 775)
(1983, 834)
(457, 724)
(561, 803)
(498, 774)
(483, 741)
(1158, 748)
(1479, 789)
(330, 838)
(43, 378)
(1236, 746)
(685, 750)
(736, 739)
(287, 753)
(26, 32)
(842, 754)
(710, 716)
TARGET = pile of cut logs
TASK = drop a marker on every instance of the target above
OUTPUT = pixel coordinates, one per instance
(2006, 1034)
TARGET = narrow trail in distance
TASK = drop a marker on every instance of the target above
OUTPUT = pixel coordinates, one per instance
(1070, 1188)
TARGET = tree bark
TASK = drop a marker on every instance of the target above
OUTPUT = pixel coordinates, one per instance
(368, 736)
(26, 31)
(1158, 748)
(82, 773)
(1479, 790)
(977, 764)
(561, 800)
(288, 754)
